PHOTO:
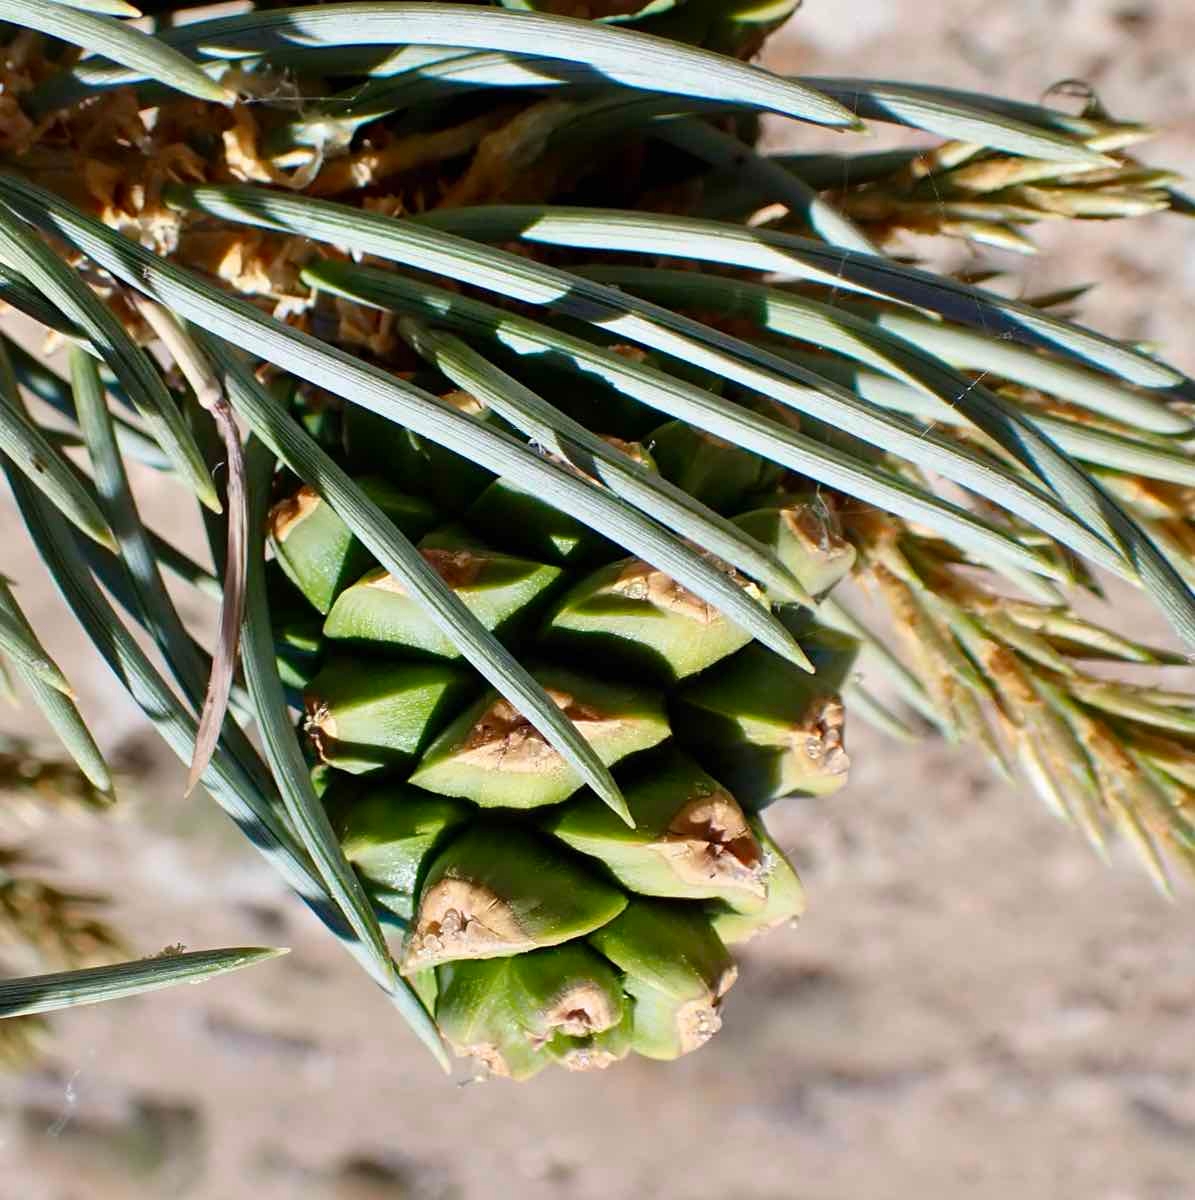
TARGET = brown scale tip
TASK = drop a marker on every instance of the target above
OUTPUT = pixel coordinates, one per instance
(587, 1058)
(633, 450)
(584, 1009)
(505, 740)
(458, 569)
(698, 1020)
(816, 531)
(463, 402)
(292, 511)
(818, 736)
(459, 918)
(488, 1056)
(641, 581)
(709, 839)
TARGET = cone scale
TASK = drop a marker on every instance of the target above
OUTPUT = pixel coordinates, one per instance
(495, 757)
(690, 839)
(498, 891)
(766, 729)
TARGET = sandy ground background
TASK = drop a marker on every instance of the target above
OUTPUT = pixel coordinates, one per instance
(974, 1007)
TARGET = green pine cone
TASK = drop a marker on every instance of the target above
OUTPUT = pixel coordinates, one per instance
(621, 479)
(538, 927)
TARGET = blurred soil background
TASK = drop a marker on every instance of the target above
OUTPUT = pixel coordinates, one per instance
(974, 1007)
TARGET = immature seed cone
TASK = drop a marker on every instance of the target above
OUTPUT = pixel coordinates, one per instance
(538, 926)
